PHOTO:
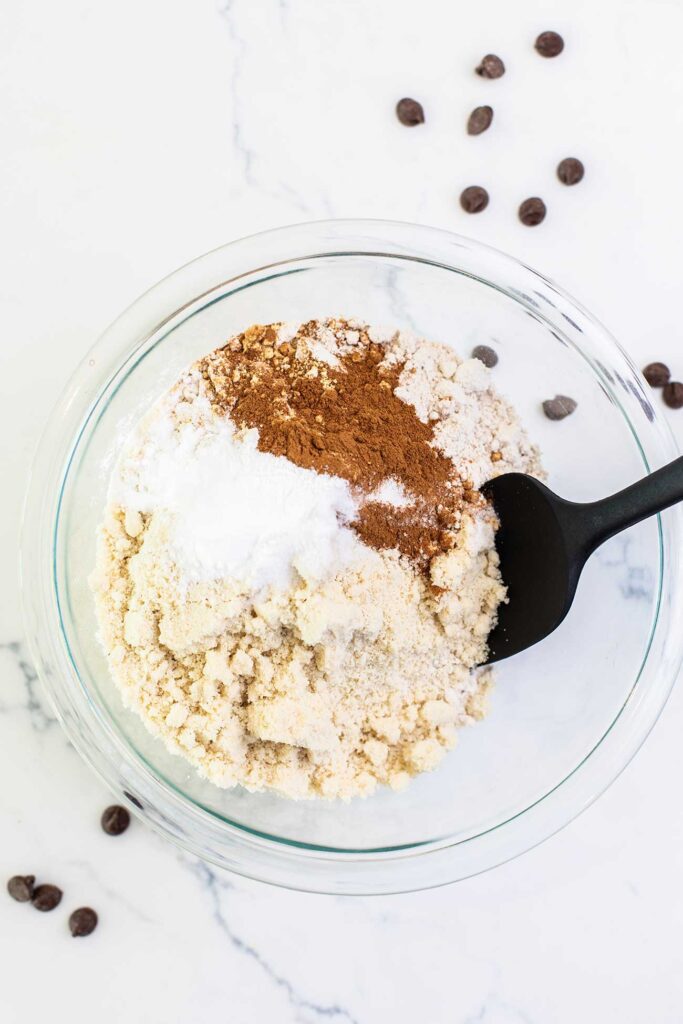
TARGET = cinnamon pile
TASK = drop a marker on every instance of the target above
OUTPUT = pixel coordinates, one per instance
(346, 421)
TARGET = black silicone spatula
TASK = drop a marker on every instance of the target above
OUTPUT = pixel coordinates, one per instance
(545, 541)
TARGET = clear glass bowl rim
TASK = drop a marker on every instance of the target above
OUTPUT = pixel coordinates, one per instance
(164, 809)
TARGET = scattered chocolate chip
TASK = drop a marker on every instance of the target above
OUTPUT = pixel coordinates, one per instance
(115, 820)
(673, 394)
(558, 407)
(532, 211)
(491, 67)
(20, 887)
(479, 120)
(82, 922)
(657, 374)
(46, 897)
(474, 199)
(410, 112)
(570, 171)
(485, 354)
(549, 44)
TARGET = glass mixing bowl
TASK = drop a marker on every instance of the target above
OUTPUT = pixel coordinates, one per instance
(565, 716)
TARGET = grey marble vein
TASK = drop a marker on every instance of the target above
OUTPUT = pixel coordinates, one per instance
(41, 718)
(246, 155)
(283, 11)
(636, 581)
(305, 1010)
(280, 190)
(398, 299)
(495, 1011)
(85, 868)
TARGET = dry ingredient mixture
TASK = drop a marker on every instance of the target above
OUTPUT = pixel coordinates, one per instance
(296, 574)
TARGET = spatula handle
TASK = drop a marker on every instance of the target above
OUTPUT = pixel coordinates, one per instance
(600, 520)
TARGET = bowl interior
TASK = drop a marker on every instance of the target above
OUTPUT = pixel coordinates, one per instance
(552, 705)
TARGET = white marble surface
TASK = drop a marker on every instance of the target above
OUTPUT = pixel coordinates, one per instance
(136, 135)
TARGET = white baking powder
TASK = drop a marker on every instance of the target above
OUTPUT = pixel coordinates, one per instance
(234, 511)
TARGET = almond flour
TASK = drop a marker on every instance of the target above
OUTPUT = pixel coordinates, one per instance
(291, 596)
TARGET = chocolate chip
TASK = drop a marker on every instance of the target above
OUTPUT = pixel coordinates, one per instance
(570, 171)
(115, 820)
(491, 67)
(485, 355)
(82, 922)
(20, 887)
(474, 199)
(532, 211)
(549, 44)
(46, 897)
(558, 407)
(657, 374)
(479, 120)
(673, 394)
(410, 112)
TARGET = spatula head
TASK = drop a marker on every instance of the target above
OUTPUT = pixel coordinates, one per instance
(539, 562)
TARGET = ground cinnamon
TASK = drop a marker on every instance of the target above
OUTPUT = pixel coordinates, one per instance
(344, 420)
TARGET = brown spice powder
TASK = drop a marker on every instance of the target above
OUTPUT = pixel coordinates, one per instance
(346, 421)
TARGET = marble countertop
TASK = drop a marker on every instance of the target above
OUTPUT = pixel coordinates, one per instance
(139, 134)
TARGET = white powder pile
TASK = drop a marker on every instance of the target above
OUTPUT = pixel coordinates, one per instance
(252, 629)
(231, 510)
